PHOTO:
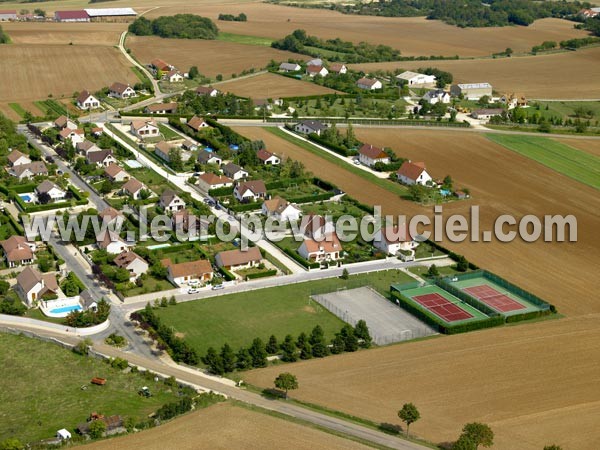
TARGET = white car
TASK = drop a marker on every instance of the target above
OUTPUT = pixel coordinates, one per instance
(216, 287)
(193, 290)
(356, 162)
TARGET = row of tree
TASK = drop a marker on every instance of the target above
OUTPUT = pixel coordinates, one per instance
(179, 26)
(241, 17)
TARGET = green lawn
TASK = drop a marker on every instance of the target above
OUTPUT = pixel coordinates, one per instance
(565, 109)
(243, 39)
(40, 390)
(569, 161)
(239, 318)
(167, 133)
(422, 270)
(17, 108)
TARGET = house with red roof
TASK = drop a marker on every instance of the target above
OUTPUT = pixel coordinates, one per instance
(328, 249)
(413, 173)
(267, 158)
(369, 155)
(71, 16)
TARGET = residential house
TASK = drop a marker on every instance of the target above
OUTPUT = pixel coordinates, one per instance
(437, 96)
(86, 147)
(197, 123)
(205, 157)
(289, 67)
(486, 113)
(71, 16)
(315, 62)
(133, 263)
(16, 158)
(413, 173)
(392, 239)
(234, 171)
(369, 155)
(193, 272)
(133, 188)
(162, 150)
(316, 227)
(110, 215)
(120, 90)
(161, 108)
(248, 191)
(170, 201)
(189, 145)
(87, 101)
(87, 301)
(513, 100)
(589, 13)
(64, 122)
(184, 220)
(471, 91)
(47, 187)
(145, 128)
(328, 249)
(268, 158)
(338, 68)
(159, 65)
(281, 209)
(238, 259)
(416, 79)
(103, 158)
(174, 76)
(97, 131)
(115, 173)
(32, 285)
(313, 71)
(112, 242)
(77, 136)
(208, 181)
(33, 169)
(207, 90)
(17, 251)
(309, 127)
(370, 84)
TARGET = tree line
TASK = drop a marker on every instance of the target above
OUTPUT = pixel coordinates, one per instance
(241, 17)
(179, 26)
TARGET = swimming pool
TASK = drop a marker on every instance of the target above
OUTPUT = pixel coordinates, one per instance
(66, 309)
(27, 198)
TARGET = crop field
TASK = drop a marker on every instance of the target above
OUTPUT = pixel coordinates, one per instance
(39, 70)
(227, 426)
(269, 85)
(543, 76)
(64, 33)
(591, 146)
(211, 57)
(558, 156)
(410, 35)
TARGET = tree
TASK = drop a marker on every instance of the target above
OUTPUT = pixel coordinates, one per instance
(227, 358)
(433, 271)
(508, 51)
(288, 349)
(213, 362)
(175, 159)
(345, 274)
(361, 331)
(39, 12)
(338, 345)
(11, 444)
(409, 414)
(243, 359)
(464, 443)
(44, 198)
(317, 341)
(258, 353)
(306, 351)
(479, 434)
(97, 429)
(350, 340)
(552, 447)
(272, 346)
(193, 73)
(106, 187)
(286, 382)
(462, 265)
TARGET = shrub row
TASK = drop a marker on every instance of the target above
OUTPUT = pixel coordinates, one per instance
(220, 192)
(226, 274)
(304, 263)
(267, 273)
(243, 207)
(334, 148)
(312, 198)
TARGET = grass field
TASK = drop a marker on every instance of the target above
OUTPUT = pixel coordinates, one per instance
(243, 39)
(558, 156)
(40, 390)
(269, 85)
(238, 318)
(168, 133)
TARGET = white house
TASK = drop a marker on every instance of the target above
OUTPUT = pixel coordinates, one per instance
(205, 157)
(234, 171)
(416, 79)
(17, 251)
(86, 101)
(133, 263)
(162, 108)
(486, 113)
(86, 147)
(369, 84)
(103, 158)
(310, 126)
(268, 158)
(23, 171)
(115, 173)
(316, 227)
(33, 285)
(281, 209)
(313, 71)
(437, 96)
(174, 76)
(170, 201)
(413, 173)
(208, 181)
(77, 136)
(64, 122)
(16, 158)
(120, 90)
(238, 259)
(392, 239)
(248, 191)
(338, 68)
(207, 90)
(193, 272)
(289, 67)
(145, 128)
(133, 188)
(196, 123)
(369, 155)
(48, 187)
(112, 242)
(328, 249)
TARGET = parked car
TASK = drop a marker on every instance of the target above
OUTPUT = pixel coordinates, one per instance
(193, 290)
(216, 287)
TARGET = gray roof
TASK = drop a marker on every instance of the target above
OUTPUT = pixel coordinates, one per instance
(313, 124)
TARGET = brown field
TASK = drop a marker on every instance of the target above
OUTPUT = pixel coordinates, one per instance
(447, 378)
(64, 33)
(31, 72)
(546, 76)
(410, 35)
(211, 57)
(225, 426)
(591, 146)
(269, 85)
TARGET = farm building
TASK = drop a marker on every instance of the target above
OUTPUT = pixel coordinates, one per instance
(471, 91)
(369, 155)
(486, 113)
(415, 78)
(9, 14)
(437, 96)
(111, 14)
(71, 16)
(289, 67)
(413, 173)
(238, 259)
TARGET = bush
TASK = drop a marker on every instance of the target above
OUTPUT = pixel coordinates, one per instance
(119, 363)
(179, 26)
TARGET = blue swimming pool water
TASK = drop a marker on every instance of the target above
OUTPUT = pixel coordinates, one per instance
(445, 192)
(66, 309)
(26, 197)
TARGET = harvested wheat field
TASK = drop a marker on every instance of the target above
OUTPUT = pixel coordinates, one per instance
(64, 33)
(31, 72)
(211, 57)
(591, 146)
(543, 77)
(410, 35)
(534, 384)
(224, 426)
(269, 85)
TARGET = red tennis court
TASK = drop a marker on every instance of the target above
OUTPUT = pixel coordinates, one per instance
(441, 307)
(493, 298)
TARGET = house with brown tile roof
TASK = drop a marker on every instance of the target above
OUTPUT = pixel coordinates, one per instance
(87, 101)
(268, 158)
(199, 271)
(30, 170)
(133, 188)
(86, 147)
(112, 242)
(315, 226)
(162, 108)
(121, 90)
(281, 209)
(110, 214)
(32, 285)
(328, 249)
(184, 220)
(77, 136)
(369, 84)
(144, 128)
(18, 251)
(16, 158)
(369, 155)
(338, 68)
(159, 64)
(196, 123)
(313, 70)
(207, 90)
(413, 173)
(64, 122)
(392, 239)
(209, 180)
(248, 191)
(174, 76)
(237, 259)
(116, 173)
(133, 263)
